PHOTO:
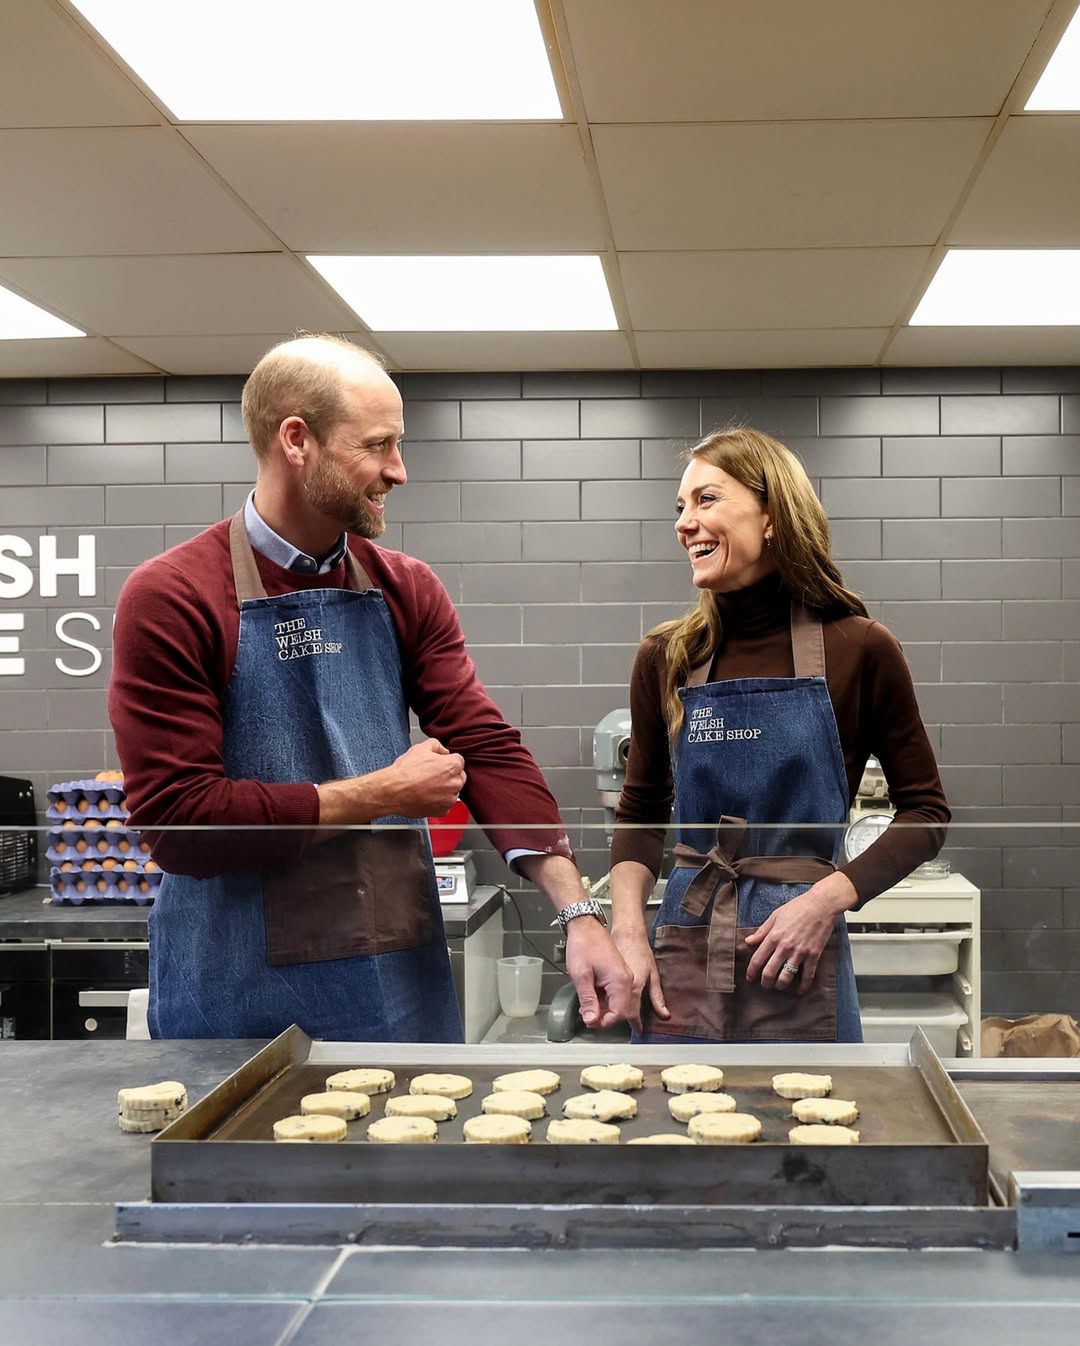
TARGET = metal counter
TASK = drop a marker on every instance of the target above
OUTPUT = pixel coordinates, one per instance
(63, 1281)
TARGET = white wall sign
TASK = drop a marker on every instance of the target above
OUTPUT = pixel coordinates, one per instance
(17, 581)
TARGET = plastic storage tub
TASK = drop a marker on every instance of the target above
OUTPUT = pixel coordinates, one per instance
(925, 953)
(891, 1017)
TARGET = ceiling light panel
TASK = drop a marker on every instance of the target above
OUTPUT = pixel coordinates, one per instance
(22, 321)
(1003, 287)
(335, 60)
(1058, 89)
(473, 294)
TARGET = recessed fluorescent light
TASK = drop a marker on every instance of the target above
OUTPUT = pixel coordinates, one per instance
(1003, 287)
(1058, 90)
(22, 321)
(473, 294)
(335, 60)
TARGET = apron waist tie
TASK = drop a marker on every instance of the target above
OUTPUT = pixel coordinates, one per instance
(718, 874)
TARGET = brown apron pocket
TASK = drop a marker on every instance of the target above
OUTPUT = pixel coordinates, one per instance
(779, 1013)
(682, 956)
(357, 894)
(751, 1012)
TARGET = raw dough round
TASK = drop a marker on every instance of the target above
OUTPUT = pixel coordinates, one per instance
(533, 1081)
(433, 1106)
(823, 1135)
(403, 1131)
(490, 1130)
(690, 1078)
(602, 1106)
(664, 1138)
(145, 1121)
(514, 1103)
(446, 1086)
(796, 1085)
(336, 1103)
(169, 1094)
(367, 1081)
(612, 1077)
(309, 1128)
(724, 1128)
(684, 1106)
(839, 1110)
(581, 1132)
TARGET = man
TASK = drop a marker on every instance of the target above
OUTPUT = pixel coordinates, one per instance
(263, 674)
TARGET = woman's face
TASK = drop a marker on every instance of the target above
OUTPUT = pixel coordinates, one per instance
(722, 527)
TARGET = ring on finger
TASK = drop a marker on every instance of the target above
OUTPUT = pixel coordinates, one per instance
(792, 969)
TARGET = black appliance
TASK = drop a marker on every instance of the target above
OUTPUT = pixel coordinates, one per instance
(18, 849)
(90, 985)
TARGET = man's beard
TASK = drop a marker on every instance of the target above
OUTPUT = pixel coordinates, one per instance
(329, 491)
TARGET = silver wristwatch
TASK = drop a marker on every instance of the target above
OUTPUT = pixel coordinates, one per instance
(586, 907)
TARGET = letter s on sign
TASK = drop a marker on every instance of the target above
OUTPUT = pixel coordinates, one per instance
(62, 634)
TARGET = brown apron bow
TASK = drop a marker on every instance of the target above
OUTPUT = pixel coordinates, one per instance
(719, 870)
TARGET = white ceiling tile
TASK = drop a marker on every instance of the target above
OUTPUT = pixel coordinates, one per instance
(779, 289)
(137, 189)
(984, 346)
(53, 74)
(1028, 191)
(505, 350)
(399, 187)
(701, 61)
(75, 357)
(785, 184)
(218, 295)
(760, 350)
(202, 354)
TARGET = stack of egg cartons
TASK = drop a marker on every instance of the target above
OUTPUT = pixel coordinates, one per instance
(94, 855)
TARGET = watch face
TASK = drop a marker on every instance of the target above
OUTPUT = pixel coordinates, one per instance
(863, 832)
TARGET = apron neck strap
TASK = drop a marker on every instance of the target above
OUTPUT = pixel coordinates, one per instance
(246, 573)
(807, 642)
(807, 648)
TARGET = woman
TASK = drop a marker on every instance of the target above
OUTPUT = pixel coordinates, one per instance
(761, 706)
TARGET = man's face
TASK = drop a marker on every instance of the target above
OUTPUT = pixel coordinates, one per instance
(361, 460)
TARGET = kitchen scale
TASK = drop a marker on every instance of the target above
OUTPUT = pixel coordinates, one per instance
(455, 875)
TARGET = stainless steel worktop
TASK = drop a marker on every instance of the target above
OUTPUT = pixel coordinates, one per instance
(65, 1165)
(29, 916)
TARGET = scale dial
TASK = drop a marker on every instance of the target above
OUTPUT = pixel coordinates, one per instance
(863, 832)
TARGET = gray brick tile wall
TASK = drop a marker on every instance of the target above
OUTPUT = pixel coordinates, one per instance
(545, 503)
(23, 465)
(946, 538)
(199, 422)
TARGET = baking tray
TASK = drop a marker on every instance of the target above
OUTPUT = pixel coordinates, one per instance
(921, 1145)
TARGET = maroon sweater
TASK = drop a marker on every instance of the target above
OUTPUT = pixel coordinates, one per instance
(174, 644)
(876, 714)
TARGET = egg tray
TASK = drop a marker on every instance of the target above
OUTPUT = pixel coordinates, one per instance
(920, 1145)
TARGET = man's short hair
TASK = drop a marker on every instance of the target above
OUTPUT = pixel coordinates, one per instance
(300, 377)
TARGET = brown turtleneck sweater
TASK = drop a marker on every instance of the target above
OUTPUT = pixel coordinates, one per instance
(876, 714)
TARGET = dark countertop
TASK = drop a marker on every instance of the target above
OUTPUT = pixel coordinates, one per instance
(27, 916)
(63, 1283)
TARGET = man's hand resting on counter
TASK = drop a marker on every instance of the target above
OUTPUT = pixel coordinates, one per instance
(601, 978)
(421, 783)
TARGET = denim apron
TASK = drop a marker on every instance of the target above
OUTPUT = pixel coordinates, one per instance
(753, 751)
(348, 941)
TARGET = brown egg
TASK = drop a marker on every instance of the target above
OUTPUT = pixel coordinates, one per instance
(144, 887)
(82, 844)
(83, 805)
(123, 845)
(91, 824)
(109, 863)
(60, 805)
(67, 867)
(88, 864)
(131, 864)
(122, 885)
(80, 885)
(113, 824)
(101, 885)
(151, 867)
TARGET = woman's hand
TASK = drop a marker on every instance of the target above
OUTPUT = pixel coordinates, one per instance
(796, 933)
(633, 944)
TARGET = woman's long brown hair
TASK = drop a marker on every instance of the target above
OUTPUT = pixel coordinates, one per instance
(800, 547)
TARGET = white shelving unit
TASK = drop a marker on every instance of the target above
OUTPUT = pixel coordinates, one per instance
(930, 927)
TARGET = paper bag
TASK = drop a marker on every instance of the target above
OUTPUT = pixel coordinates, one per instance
(1034, 1035)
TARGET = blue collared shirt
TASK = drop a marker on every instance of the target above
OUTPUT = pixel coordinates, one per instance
(282, 553)
(263, 538)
